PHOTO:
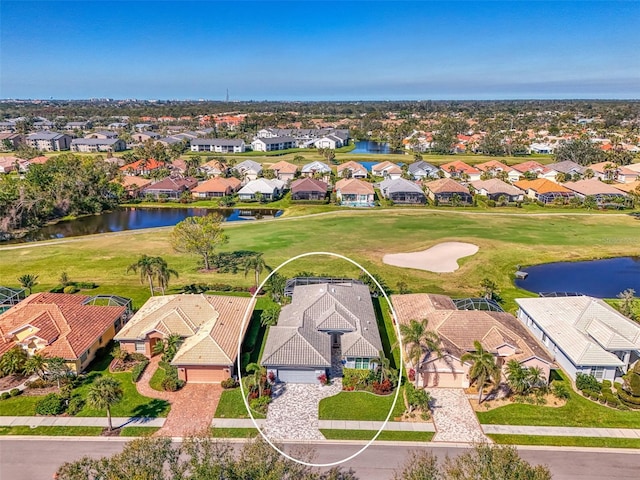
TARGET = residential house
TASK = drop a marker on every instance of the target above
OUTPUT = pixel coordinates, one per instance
(568, 167)
(117, 161)
(535, 168)
(583, 334)
(143, 136)
(612, 172)
(249, 170)
(62, 325)
(629, 188)
(49, 141)
(402, 191)
(307, 137)
(143, 127)
(308, 189)
(12, 139)
(84, 125)
(284, 171)
(8, 126)
(500, 333)
(352, 169)
(117, 125)
(210, 326)
(317, 169)
(214, 167)
(8, 164)
(545, 191)
(387, 170)
(325, 325)
(142, 167)
(603, 193)
(420, 170)
(273, 144)
(218, 145)
(133, 185)
(216, 187)
(42, 124)
(351, 192)
(495, 168)
(170, 187)
(263, 188)
(97, 145)
(495, 188)
(103, 134)
(330, 141)
(460, 170)
(446, 191)
(541, 148)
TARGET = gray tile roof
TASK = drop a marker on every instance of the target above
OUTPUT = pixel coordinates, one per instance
(422, 168)
(45, 136)
(95, 141)
(273, 140)
(316, 167)
(301, 337)
(399, 185)
(567, 166)
(248, 166)
(218, 142)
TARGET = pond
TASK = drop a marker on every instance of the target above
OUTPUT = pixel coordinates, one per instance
(364, 146)
(135, 218)
(597, 278)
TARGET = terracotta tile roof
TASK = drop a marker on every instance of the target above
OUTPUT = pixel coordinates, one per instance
(593, 186)
(494, 165)
(39, 160)
(131, 181)
(599, 167)
(459, 166)
(386, 166)
(67, 327)
(541, 185)
(151, 164)
(628, 187)
(215, 165)
(495, 185)
(354, 186)
(217, 185)
(445, 185)
(308, 185)
(351, 165)
(174, 184)
(531, 166)
(284, 167)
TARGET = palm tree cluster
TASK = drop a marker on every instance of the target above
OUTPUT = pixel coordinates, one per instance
(523, 380)
(419, 344)
(168, 347)
(484, 369)
(153, 269)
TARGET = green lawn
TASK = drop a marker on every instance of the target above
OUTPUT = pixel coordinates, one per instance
(566, 441)
(231, 405)
(156, 380)
(234, 432)
(577, 412)
(19, 406)
(52, 431)
(392, 436)
(387, 331)
(359, 406)
(138, 431)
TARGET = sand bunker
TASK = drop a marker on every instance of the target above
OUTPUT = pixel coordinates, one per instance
(441, 258)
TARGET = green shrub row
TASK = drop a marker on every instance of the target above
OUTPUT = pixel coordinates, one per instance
(171, 382)
(138, 370)
(229, 383)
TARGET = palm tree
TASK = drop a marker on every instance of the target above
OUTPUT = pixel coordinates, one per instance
(36, 364)
(168, 347)
(483, 367)
(28, 281)
(144, 266)
(13, 362)
(162, 272)
(103, 393)
(383, 366)
(517, 377)
(256, 264)
(628, 300)
(255, 379)
(419, 341)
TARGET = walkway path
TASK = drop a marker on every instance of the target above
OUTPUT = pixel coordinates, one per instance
(118, 422)
(454, 418)
(192, 407)
(293, 413)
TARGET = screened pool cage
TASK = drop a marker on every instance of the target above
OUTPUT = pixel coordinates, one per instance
(10, 297)
(293, 282)
(109, 301)
(477, 303)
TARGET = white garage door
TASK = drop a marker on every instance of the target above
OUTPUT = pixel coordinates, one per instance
(298, 375)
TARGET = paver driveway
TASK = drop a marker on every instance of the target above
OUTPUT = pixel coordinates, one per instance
(192, 407)
(453, 417)
(293, 413)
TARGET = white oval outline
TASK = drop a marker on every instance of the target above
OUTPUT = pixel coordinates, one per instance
(249, 312)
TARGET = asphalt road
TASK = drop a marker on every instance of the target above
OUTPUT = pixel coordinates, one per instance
(38, 459)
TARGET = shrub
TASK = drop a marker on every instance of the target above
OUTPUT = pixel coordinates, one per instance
(39, 383)
(86, 285)
(75, 405)
(138, 370)
(260, 404)
(70, 289)
(560, 390)
(138, 357)
(323, 379)
(382, 388)
(229, 383)
(5, 395)
(587, 382)
(171, 383)
(51, 404)
(14, 392)
(411, 374)
(356, 378)
(606, 385)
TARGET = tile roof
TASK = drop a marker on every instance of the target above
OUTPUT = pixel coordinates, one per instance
(593, 186)
(316, 167)
(399, 185)
(151, 164)
(262, 185)
(531, 166)
(300, 338)
(353, 166)
(586, 329)
(284, 167)
(599, 167)
(248, 166)
(628, 187)
(174, 184)
(387, 167)
(218, 142)
(308, 185)
(542, 185)
(494, 165)
(67, 327)
(218, 185)
(446, 185)
(459, 166)
(129, 181)
(495, 186)
(354, 186)
(567, 166)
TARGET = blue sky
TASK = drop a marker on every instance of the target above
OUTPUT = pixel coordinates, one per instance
(308, 50)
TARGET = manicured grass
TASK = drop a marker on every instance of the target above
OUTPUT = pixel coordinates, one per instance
(231, 405)
(52, 431)
(566, 441)
(359, 406)
(388, 435)
(577, 412)
(20, 406)
(156, 380)
(138, 431)
(387, 331)
(234, 432)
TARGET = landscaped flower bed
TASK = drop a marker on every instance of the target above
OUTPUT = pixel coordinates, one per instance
(368, 381)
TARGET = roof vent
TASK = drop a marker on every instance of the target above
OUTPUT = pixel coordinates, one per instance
(359, 298)
(333, 290)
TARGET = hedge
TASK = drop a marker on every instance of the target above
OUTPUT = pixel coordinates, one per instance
(138, 370)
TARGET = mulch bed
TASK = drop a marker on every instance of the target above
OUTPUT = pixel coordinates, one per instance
(110, 433)
(40, 392)
(11, 381)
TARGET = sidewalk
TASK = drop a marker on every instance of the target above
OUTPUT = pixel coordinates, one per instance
(80, 422)
(563, 431)
(333, 425)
